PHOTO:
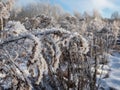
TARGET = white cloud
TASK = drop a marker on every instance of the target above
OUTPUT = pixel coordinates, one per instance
(102, 4)
(89, 5)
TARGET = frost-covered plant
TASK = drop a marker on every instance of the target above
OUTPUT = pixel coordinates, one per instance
(40, 21)
(41, 55)
(5, 8)
(13, 28)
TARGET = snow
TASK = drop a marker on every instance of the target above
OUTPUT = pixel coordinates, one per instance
(114, 76)
(2, 75)
(113, 79)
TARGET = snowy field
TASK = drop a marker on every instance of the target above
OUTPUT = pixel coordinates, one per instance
(112, 81)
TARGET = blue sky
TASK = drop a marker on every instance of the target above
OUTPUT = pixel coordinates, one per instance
(105, 7)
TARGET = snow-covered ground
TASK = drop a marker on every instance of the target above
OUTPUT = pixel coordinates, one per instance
(114, 75)
(112, 81)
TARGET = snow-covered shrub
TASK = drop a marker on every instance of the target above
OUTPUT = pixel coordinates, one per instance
(4, 13)
(68, 22)
(14, 28)
(40, 21)
(29, 59)
(5, 8)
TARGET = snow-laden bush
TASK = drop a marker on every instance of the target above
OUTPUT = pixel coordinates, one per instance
(50, 59)
(5, 8)
(4, 13)
(40, 21)
(14, 28)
